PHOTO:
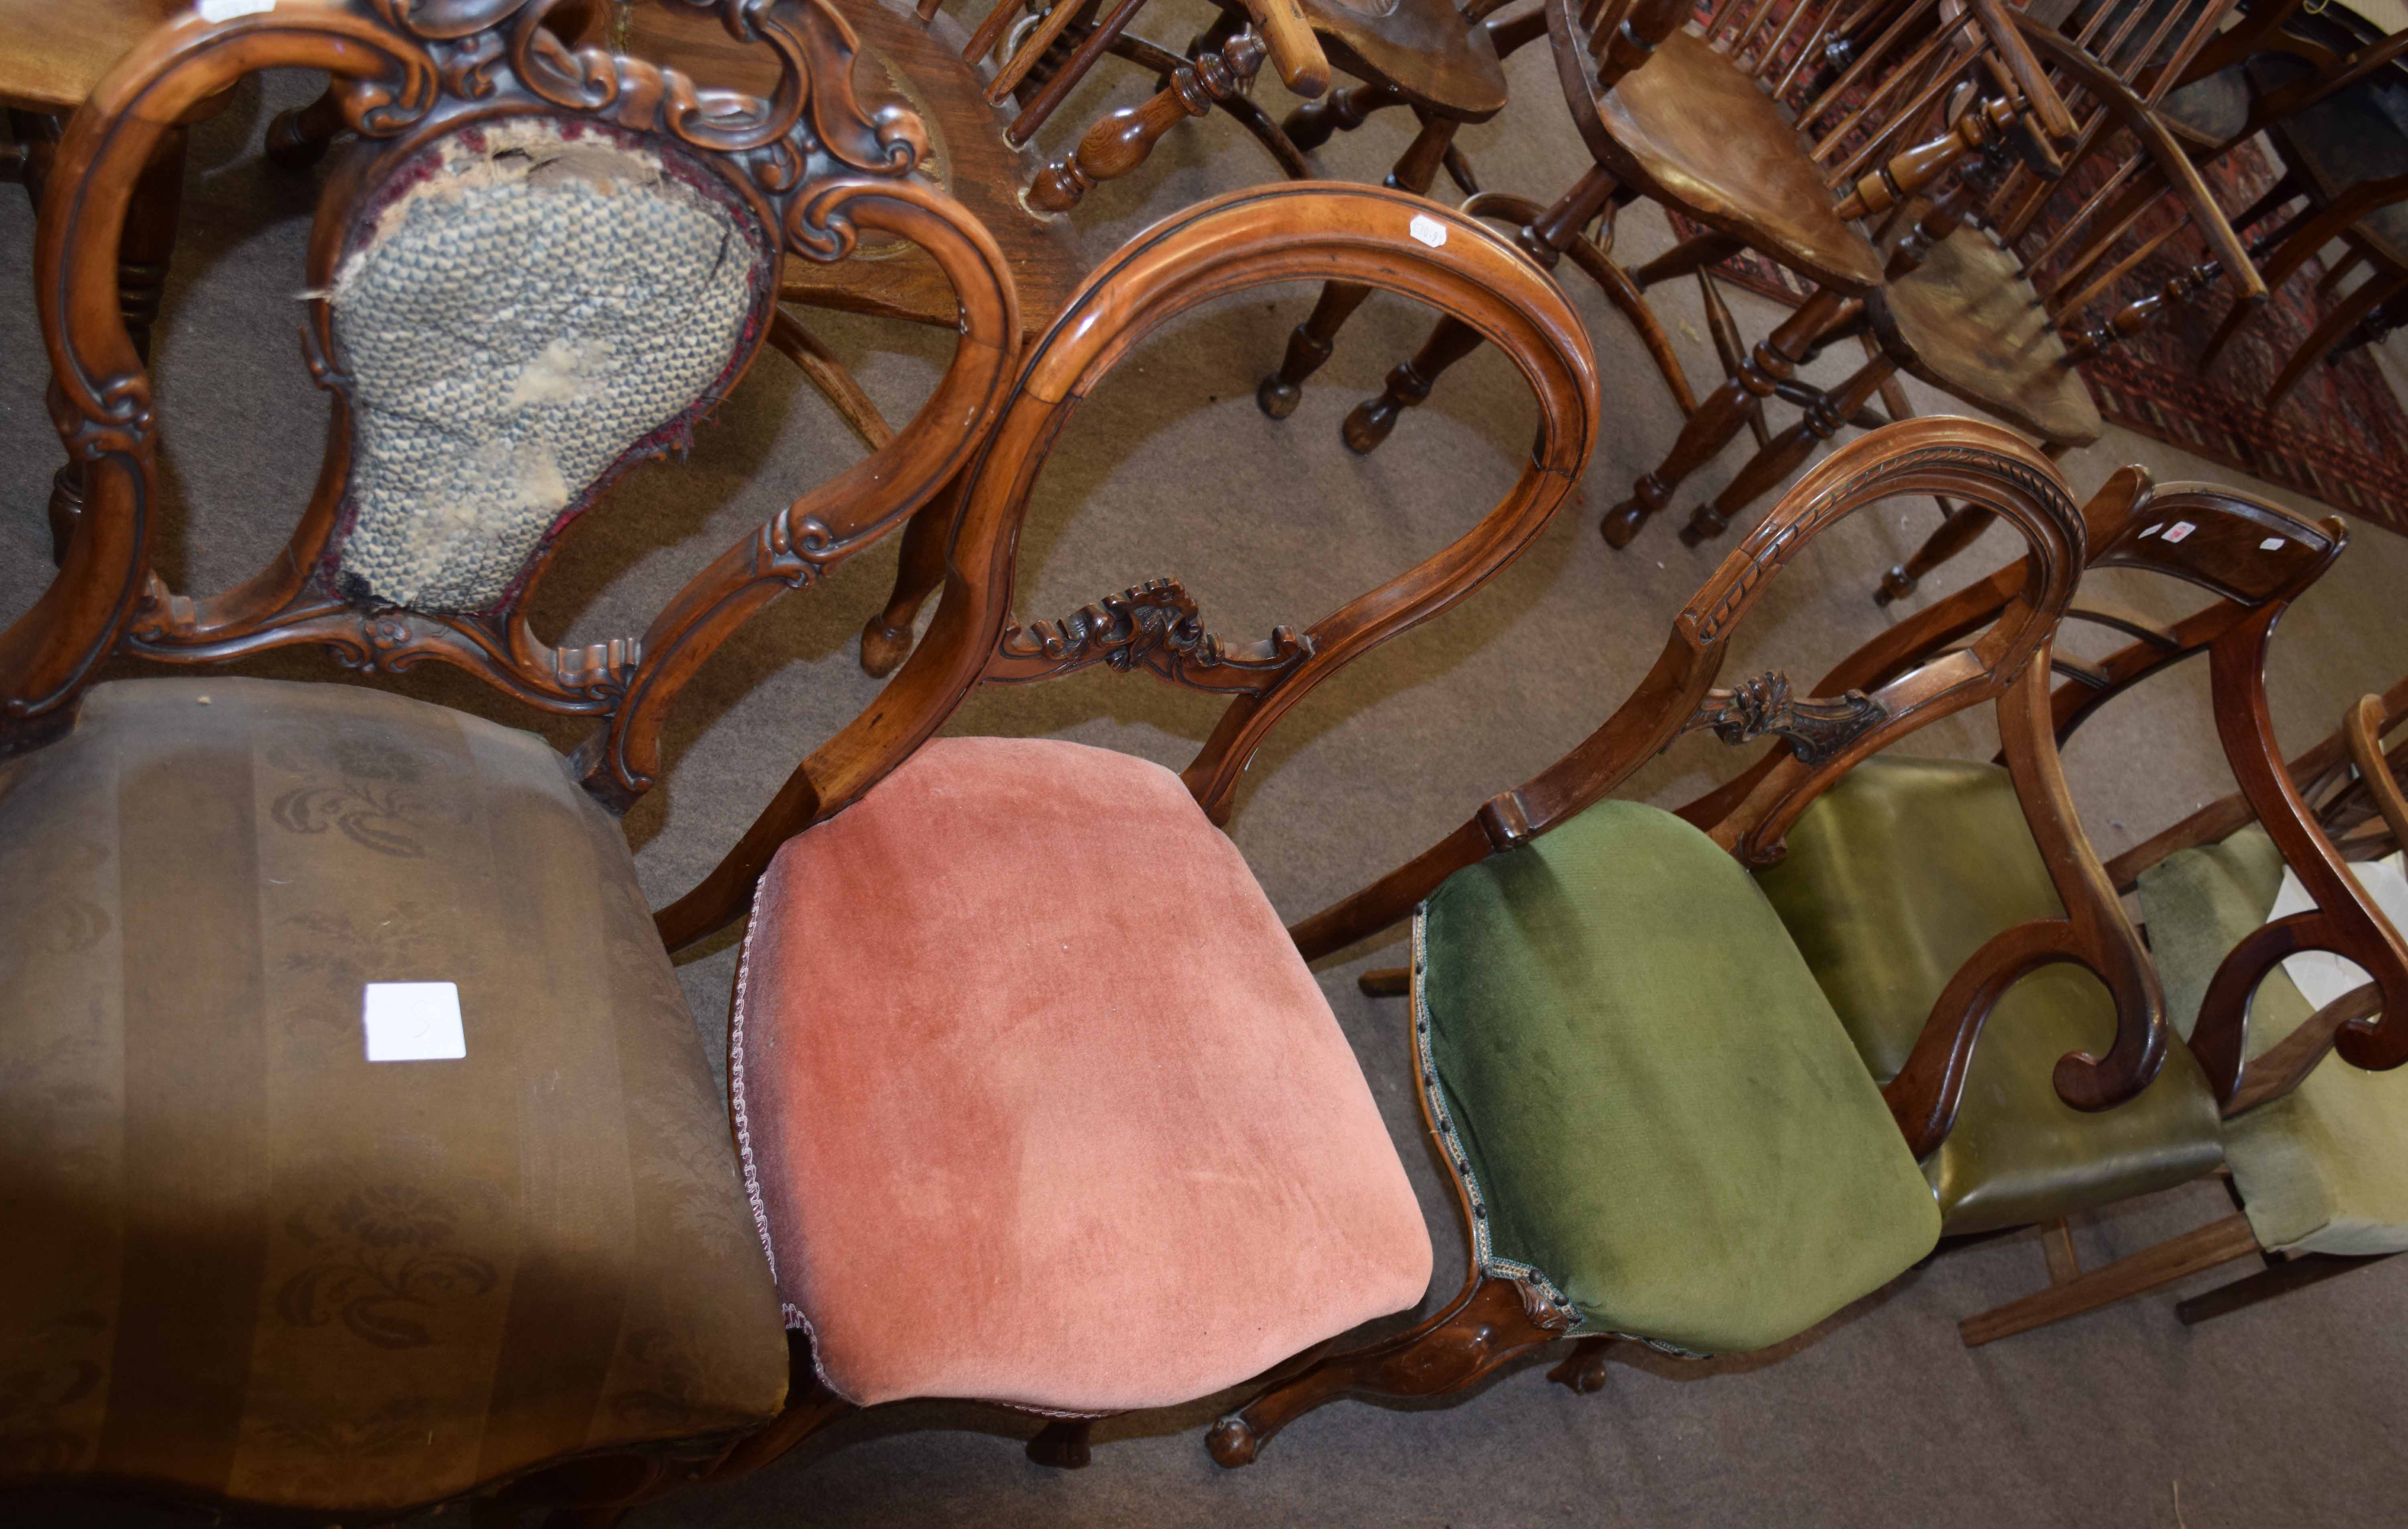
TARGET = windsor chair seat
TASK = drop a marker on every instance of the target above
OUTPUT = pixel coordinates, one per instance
(1419, 48)
(1968, 322)
(1693, 130)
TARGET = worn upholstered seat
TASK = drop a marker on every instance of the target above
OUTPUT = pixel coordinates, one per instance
(1039, 1103)
(1651, 1103)
(1968, 322)
(246, 1262)
(2323, 1169)
(1897, 876)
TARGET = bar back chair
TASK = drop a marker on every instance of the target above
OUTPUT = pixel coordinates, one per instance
(1747, 126)
(1121, 1147)
(2311, 1140)
(1657, 1125)
(362, 1154)
(2290, 1129)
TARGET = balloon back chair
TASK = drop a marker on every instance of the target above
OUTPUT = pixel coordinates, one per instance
(1655, 1121)
(1016, 1128)
(361, 1153)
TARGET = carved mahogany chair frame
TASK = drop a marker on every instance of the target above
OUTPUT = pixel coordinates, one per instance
(1495, 1318)
(809, 163)
(2316, 812)
(1244, 240)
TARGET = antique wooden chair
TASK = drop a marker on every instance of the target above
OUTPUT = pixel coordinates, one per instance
(1123, 1158)
(251, 1265)
(2017, 1159)
(1655, 1121)
(2312, 1141)
(2333, 101)
(1748, 128)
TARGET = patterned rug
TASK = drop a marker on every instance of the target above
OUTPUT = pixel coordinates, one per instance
(2340, 436)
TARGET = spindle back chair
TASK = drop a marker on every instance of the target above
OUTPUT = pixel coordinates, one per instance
(1749, 125)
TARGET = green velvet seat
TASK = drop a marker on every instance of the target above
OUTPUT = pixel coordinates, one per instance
(1655, 1107)
(2324, 1169)
(1894, 879)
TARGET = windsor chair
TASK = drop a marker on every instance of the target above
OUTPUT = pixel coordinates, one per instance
(1749, 127)
(2332, 98)
(1174, 1100)
(258, 1262)
(1708, 1165)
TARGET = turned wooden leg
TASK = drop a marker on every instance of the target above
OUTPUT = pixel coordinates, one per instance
(1121, 141)
(1584, 1369)
(1409, 383)
(1788, 449)
(1490, 1324)
(886, 641)
(298, 138)
(1453, 340)
(1062, 1444)
(1729, 347)
(1315, 122)
(1723, 414)
(1954, 534)
(1310, 345)
(2280, 1276)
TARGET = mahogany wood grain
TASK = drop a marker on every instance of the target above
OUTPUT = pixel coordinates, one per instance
(1233, 242)
(393, 92)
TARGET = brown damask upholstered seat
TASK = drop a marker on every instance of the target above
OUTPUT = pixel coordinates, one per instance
(253, 1265)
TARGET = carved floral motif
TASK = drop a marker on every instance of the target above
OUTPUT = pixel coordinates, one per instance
(1816, 729)
(1153, 626)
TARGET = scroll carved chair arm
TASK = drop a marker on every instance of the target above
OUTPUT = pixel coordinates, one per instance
(2095, 934)
(1247, 238)
(1960, 457)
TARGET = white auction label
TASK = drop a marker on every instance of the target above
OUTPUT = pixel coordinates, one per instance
(226, 11)
(2153, 530)
(2179, 529)
(1428, 229)
(412, 1021)
(2272, 543)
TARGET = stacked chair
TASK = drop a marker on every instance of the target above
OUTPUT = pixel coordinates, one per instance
(1008, 1123)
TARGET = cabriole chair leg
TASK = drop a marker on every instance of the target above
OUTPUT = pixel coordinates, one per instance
(1062, 1444)
(1487, 1325)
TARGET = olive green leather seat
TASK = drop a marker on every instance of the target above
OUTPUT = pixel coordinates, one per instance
(1655, 1107)
(2324, 1169)
(1894, 879)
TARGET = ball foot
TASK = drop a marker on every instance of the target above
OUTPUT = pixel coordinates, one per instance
(1369, 425)
(1233, 1442)
(1278, 398)
(1898, 582)
(883, 647)
(1621, 522)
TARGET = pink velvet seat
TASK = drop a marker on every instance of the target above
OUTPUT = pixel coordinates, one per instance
(1039, 1103)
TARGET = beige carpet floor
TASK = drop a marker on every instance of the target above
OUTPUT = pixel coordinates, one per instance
(2286, 1414)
